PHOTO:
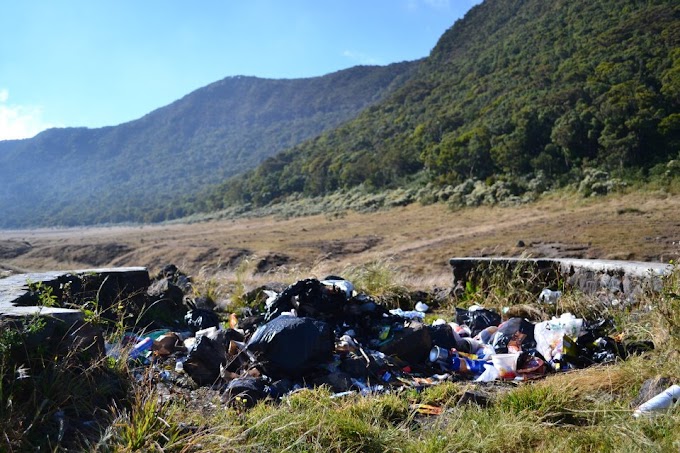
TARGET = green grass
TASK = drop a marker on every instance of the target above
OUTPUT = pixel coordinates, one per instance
(582, 410)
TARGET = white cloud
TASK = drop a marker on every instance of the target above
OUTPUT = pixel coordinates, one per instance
(441, 5)
(19, 121)
(436, 4)
(361, 58)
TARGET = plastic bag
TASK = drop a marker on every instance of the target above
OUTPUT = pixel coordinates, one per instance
(291, 346)
(549, 335)
(477, 318)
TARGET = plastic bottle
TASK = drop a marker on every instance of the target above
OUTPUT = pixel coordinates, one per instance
(660, 402)
(141, 347)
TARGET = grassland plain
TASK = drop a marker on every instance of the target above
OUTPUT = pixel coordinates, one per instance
(418, 240)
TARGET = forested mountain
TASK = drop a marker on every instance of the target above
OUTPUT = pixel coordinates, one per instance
(513, 88)
(516, 88)
(127, 172)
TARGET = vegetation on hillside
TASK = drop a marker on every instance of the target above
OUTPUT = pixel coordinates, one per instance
(128, 172)
(515, 88)
(516, 97)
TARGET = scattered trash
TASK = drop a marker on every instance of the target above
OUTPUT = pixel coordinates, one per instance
(412, 314)
(554, 337)
(421, 307)
(549, 296)
(427, 409)
(323, 332)
(141, 348)
(505, 364)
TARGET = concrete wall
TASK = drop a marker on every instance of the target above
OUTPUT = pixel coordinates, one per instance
(621, 280)
(18, 300)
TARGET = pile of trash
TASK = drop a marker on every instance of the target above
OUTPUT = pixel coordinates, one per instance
(324, 332)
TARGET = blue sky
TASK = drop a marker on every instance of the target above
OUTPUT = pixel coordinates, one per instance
(97, 63)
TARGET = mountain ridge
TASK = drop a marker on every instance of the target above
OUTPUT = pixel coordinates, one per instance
(517, 96)
(514, 88)
(208, 135)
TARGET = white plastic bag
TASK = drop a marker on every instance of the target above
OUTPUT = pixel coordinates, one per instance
(549, 334)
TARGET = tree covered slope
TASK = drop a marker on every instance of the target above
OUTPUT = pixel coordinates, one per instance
(513, 88)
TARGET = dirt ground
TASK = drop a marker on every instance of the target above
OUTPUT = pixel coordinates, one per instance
(416, 240)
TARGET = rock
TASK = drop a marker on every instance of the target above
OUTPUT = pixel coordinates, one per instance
(475, 397)
(166, 304)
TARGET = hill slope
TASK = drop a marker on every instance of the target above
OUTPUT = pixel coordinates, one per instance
(120, 173)
(516, 87)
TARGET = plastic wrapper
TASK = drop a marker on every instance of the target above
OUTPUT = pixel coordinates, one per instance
(549, 335)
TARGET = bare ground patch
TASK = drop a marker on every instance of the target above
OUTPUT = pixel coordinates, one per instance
(419, 240)
(87, 254)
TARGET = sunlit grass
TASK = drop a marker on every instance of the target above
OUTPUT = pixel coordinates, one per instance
(580, 410)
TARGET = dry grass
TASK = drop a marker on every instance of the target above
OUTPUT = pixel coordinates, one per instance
(418, 239)
(585, 410)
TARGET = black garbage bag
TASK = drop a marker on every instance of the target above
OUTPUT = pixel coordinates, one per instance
(477, 320)
(200, 318)
(442, 336)
(289, 346)
(311, 298)
(411, 344)
(245, 391)
(204, 360)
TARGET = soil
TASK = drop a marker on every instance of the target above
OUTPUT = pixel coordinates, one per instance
(416, 240)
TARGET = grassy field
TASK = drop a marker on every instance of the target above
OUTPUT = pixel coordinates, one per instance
(418, 240)
(580, 410)
(115, 408)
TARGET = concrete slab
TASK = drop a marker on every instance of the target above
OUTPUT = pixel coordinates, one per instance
(18, 301)
(624, 280)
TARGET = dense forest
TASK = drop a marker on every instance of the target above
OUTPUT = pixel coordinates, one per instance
(130, 172)
(517, 87)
